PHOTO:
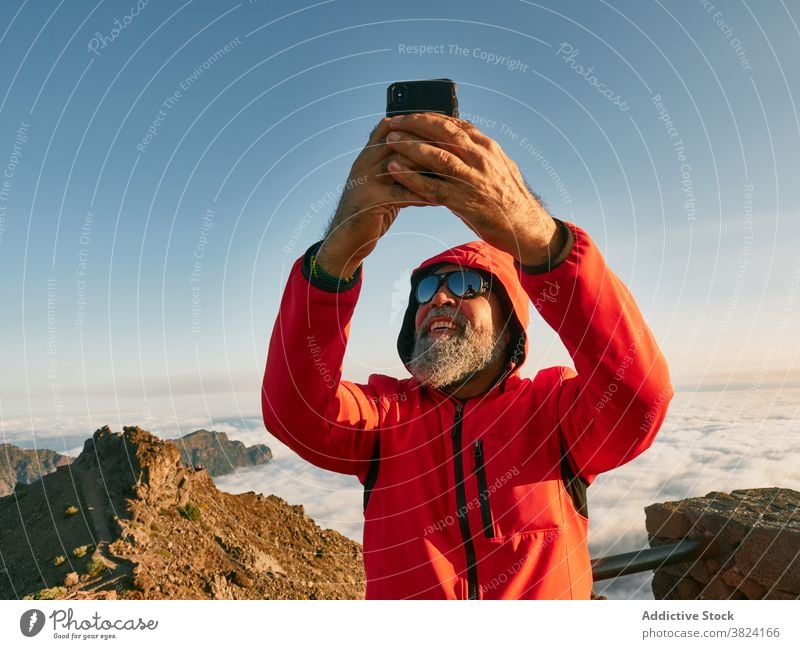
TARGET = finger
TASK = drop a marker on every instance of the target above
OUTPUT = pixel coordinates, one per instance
(401, 195)
(429, 156)
(475, 134)
(433, 190)
(478, 136)
(448, 132)
(404, 197)
(375, 148)
(397, 157)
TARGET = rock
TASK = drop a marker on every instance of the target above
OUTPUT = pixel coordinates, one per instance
(240, 579)
(265, 563)
(213, 452)
(130, 487)
(751, 588)
(667, 586)
(756, 531)
(718, 589)
(666, 521)
(774, 556)
(776, 593)
(19, 467)
(220, 589)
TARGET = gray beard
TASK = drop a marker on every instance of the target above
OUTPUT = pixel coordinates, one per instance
(454, 360)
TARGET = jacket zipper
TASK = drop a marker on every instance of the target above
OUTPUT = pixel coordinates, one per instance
(461, 503)
(483, 490)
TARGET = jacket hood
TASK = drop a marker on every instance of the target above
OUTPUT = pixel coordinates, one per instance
(505, 284)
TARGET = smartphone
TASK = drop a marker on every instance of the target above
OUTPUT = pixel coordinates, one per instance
(425, 96)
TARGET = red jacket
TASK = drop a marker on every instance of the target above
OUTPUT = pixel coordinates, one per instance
(484, 498)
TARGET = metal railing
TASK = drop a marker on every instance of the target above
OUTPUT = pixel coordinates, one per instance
(652, 558)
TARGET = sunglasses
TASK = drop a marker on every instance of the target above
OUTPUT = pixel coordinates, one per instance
(463, 284)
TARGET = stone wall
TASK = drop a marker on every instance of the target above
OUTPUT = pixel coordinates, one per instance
(754, 535)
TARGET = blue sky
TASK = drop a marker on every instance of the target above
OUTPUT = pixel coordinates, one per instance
(210, 138)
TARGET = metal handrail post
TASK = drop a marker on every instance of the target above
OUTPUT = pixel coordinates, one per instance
(652, 558)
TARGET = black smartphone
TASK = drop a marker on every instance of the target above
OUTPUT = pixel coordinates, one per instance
(424, 96)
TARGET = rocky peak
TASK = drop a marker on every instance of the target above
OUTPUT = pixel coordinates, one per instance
(218, 454)
(26, 465)
(128, 519)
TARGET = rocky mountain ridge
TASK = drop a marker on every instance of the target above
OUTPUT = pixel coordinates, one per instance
(128, 520)
(26, 465)
(218, 455)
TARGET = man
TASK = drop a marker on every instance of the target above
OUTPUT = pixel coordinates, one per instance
(474, 477)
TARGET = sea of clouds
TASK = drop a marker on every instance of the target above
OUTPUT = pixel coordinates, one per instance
(717, 440)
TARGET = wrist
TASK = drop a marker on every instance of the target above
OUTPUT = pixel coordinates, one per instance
(321, 278)
(559, 249)
(335, 264)
(544, 246)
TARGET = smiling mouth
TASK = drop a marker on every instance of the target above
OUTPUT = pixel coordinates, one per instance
(439, 327)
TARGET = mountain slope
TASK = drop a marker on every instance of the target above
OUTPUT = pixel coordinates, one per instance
(26, 465)
(145, 526)
(217, 453)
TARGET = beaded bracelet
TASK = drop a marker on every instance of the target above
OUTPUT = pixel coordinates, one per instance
(319, 272)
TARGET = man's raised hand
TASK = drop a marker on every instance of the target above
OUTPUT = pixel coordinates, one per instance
(476, 180)
(369, 205)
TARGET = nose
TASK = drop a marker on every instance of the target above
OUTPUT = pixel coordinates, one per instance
(443, 297)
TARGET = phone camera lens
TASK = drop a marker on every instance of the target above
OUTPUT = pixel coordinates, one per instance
(400, 94)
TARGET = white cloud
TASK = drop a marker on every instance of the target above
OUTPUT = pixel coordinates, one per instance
(711, 441)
